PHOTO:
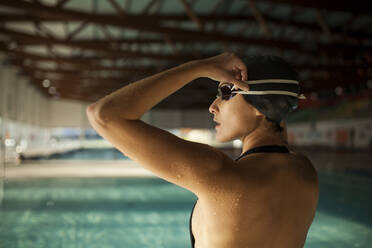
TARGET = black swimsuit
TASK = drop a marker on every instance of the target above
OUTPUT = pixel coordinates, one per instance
(273, 148)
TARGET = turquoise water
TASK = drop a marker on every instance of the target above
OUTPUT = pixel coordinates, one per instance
(344, 216)
(89, 154)
(91, 213)
(150, 212)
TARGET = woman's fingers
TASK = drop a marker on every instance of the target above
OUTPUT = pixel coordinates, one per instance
(244, 75)
(243, 69)
(237, 74)
(228, 67)
(239, 64)
(241, 85)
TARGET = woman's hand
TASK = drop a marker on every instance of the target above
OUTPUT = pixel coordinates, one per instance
(226, 67)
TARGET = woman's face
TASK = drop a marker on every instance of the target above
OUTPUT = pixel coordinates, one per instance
(236, 117)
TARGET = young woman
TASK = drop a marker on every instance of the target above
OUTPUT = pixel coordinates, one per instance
(265, 198)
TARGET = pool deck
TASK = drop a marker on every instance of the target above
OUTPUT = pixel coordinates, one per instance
(76, 169)
(351, 162)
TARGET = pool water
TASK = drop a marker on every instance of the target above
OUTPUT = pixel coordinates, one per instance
(86, 154)
(151, 212)
(344, 216)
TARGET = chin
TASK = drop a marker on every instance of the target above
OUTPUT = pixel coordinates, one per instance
(224, 139)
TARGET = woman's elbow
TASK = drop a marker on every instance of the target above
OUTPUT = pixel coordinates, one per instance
(95, 113)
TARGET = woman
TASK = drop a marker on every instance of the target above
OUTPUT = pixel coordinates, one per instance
(265, 199)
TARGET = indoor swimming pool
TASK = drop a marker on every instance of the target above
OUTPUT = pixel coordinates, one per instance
(151, 212)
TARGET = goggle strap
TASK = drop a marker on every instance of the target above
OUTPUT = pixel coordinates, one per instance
(262, 81)
(275, 92)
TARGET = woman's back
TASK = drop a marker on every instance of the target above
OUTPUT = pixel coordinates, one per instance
(267, 200)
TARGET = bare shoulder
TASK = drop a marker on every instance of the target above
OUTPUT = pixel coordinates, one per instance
(306, 163)
(266, 167)
(304, 172)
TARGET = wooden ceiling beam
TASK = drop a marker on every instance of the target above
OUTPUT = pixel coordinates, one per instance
(313, 83)
(108, 82)
(77, 97)
(293, 46)
(60, 3)
(74, 77)
(80, 63)
(323, 24)
(149, 6)
(222, 18)
(77, 30)
(225, 5)
(356, 6)
(71, 85)
(192, 15)
(259, 18)
(138, 24)
(78, 78)
(117, 7)
(77, 71)
(108, 53)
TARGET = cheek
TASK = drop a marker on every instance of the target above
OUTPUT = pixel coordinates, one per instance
(232, 116)
(241, 116)
(238, 122)
(233, 112)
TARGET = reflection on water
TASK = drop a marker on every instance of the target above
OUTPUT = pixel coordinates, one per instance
(125, 212)
(150, 212)
(1, 191)
(88, 154)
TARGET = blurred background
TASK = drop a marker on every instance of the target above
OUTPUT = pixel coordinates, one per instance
(62, 185)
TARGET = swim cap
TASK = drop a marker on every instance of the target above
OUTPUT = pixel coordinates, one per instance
(274, 86)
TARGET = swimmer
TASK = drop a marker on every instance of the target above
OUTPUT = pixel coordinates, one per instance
(267, 197)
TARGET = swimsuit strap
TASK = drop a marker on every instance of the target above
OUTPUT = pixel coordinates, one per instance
(271, 148)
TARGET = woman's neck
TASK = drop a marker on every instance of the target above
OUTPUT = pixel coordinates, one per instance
(264, 139)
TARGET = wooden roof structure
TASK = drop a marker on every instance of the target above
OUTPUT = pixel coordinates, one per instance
(85, 50)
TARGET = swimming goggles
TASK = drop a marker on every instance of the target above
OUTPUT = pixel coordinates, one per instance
(227, 91)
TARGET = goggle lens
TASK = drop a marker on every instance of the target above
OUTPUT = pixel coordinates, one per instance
(225, 91)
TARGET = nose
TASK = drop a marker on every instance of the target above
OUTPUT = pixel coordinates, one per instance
(213, 107)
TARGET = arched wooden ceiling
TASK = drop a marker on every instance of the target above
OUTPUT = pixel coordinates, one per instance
(84, 50)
